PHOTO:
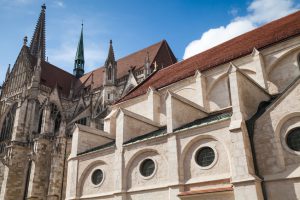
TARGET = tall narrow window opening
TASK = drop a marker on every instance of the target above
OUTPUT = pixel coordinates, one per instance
(56, 116)
(7, 128)
(109, 73)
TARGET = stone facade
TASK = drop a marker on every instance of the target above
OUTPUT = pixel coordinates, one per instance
(40, 103)
(241, 110)
(217, 132)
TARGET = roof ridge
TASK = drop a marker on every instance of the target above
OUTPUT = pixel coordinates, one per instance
(161, 42)
(253, 30)
(58, 68)
(98, 68)
(262, 37)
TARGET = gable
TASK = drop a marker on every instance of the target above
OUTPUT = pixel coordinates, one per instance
(159, 52)
(21, 72)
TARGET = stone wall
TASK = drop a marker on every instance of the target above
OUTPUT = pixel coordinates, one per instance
(1, 174)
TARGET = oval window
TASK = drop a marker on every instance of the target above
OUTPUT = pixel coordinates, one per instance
(147, 167)
(97, 177)
(205, 156)
(293, 139)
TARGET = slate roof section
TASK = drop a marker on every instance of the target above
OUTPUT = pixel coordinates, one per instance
(52, 76)
(262, 37)
(159, 52)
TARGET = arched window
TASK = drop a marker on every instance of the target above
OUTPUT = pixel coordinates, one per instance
(109, 73)
(7, 128)
(40, 121)
(56, 116)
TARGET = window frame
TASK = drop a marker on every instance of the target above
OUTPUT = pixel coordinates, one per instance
(141, 165)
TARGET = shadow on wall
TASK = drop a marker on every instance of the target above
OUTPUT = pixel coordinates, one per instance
(276, 164)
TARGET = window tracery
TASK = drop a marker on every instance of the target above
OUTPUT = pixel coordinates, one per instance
(7, 128)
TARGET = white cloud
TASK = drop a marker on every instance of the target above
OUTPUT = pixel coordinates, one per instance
(60, 4)
(259, 12)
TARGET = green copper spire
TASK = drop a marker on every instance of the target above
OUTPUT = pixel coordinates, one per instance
(79, 58)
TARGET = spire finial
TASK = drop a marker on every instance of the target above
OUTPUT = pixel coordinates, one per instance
(44, 6)
(25, 40)
(111, 54)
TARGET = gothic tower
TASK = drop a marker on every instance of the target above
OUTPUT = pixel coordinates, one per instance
(110, 76)
(79, 58)
(110, 67)
(147, 69)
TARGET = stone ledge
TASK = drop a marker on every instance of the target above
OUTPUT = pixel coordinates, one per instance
(205, 191)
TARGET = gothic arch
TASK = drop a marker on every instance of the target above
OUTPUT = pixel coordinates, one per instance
(7, 127)
(133, 158)
(221, 77)
(220, 85)
(270, 68)
(85, 173)
(283, 71)
(188, 148)
(56, 116)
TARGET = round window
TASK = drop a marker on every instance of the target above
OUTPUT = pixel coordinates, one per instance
(293, 139)
(205, 156)
(97, 177)
(147, 167)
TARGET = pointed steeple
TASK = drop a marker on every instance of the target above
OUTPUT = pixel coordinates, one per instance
(110, 67)
(79, 58)
(38, 42)
(147, 70)
(111, 55)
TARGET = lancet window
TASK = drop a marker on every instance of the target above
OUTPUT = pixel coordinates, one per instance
(56, 116)
(7, 128)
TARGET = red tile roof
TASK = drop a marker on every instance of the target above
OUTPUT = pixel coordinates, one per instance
(159, 52)
(52, 76)
(242, 45)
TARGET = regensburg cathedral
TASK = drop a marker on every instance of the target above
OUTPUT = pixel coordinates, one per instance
(221, 125)
(40, 103)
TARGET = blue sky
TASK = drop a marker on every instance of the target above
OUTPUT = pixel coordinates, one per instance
(189, 26)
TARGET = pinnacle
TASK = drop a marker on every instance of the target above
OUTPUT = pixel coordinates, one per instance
(38, 42)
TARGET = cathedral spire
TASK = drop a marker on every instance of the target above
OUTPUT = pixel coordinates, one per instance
(79, 58)
(110, 67)
(38, 42)
(147, 69)
(111, 54)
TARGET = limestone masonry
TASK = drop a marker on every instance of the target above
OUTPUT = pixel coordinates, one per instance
(221, 125)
